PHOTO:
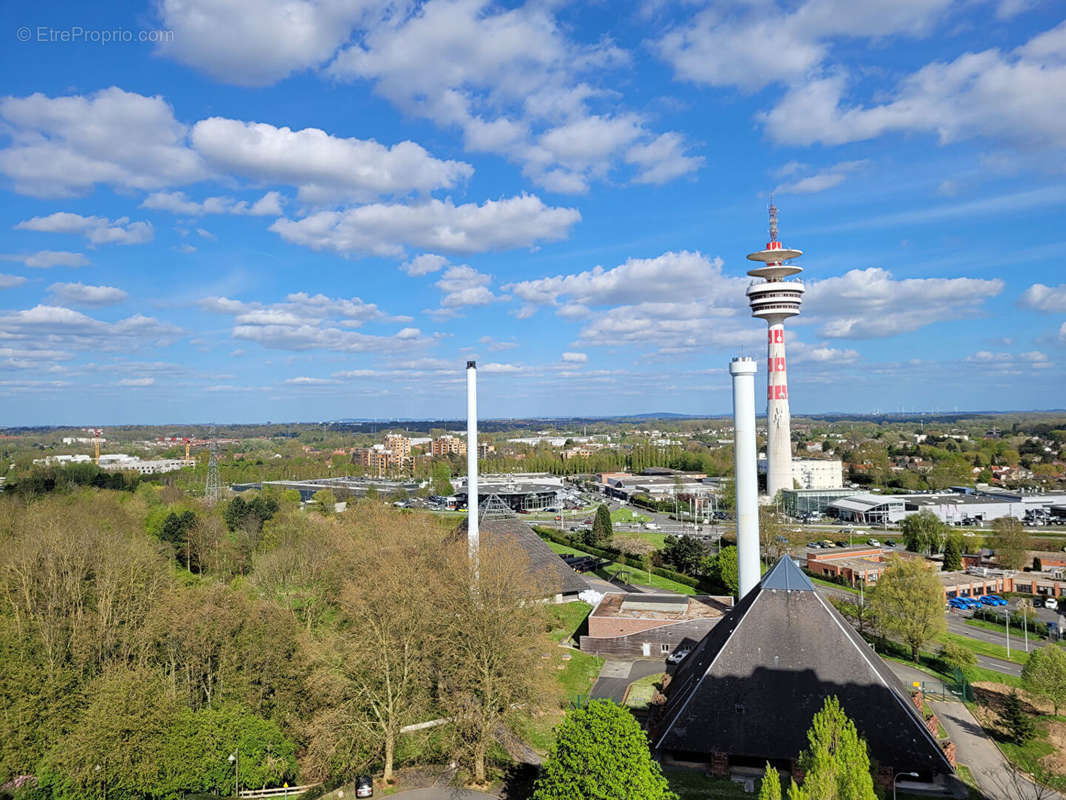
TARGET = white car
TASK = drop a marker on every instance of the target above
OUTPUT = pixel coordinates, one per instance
(677, 656)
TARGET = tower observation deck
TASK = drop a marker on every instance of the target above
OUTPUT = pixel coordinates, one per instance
(776, 298)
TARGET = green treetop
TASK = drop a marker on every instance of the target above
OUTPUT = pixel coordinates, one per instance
(836, 763)
(600, 753)
(602, 530)
(909, 602)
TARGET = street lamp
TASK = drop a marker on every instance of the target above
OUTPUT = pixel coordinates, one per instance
(897, 777)
(235, 760)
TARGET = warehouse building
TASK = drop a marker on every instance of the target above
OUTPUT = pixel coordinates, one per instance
(650, 625)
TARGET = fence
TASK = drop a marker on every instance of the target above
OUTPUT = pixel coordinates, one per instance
(283, 791)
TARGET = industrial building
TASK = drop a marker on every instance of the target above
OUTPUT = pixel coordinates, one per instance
(817, 473)
(748, 692)
(801, 502)
(956, 507)
(623, 486)
(650, 625)
(517, 495)
(121, 462)
(343, 488)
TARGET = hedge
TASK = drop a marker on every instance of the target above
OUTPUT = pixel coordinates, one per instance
(703, 584)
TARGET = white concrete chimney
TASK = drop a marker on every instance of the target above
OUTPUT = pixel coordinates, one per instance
(745, 475)
(471, 460)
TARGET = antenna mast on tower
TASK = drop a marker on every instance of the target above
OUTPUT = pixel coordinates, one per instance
(213, 488)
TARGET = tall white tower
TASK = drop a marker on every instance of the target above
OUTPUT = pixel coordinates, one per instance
(776, 298)
(745, 476)
(472, 538)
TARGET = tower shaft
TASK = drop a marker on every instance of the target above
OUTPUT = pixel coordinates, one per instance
(745, 476)
(472, 534)
(778, 417)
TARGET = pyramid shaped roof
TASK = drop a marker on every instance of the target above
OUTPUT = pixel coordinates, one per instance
(541, 557)
(753, 684)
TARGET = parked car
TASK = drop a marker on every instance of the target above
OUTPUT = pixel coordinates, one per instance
(678, 656)
(364, 786)
(873, 543)
(992, 600)
(842, 543)
(1052, 603)
(960, 603)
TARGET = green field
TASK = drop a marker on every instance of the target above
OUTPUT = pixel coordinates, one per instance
(636, 575)
(641, 692)
(984, 648)
(628, 515)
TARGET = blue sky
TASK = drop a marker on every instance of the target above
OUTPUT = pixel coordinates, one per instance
(247, 210)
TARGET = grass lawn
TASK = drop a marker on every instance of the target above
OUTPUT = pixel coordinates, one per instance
(984, 648)
(998, 628)
(656, 539)
(640, 692)
(831, 585)
(693, 784)
(636, 575)
(1028, 756)
(628, 515)
(566, 619)
(579, 674)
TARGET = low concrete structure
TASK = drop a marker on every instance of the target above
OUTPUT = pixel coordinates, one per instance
(650, 625)
(853, 564)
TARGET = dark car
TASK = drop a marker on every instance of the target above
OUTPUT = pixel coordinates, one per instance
(364, 786)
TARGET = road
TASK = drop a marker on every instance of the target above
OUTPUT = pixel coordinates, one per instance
(615, 676)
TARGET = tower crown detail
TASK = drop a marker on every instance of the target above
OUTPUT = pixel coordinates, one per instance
(776, 297)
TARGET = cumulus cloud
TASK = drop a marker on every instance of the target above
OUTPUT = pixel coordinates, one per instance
(575, 358)
(669, 277)
(176, 202)
(45, 259)
(749, 45)
(516, 85)
(465, 286)
(385, 229)
(80, 294)
(136, 382)
(97, 230)
(314, 322)
(1051, 299)
(1018, 97)
(62, 146)
(257, 42)
(871, 303)
(10, 281)
(424, 264)
(62, 329)
(821, 180)
(324, 168)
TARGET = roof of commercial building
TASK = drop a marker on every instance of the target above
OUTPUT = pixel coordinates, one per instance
(540, 555)
(753, 684)
(696, 607)
(864, 502)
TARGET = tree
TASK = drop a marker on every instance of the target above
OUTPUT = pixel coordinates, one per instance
(442, 484)
(490, 646)
(372, 672)
(685, 554)
(772, 543)
(1018, 723)
(952, 553)
(602, 530)
(600, 753)
(324, 501)
(770, 788)
(1010, 542)
(1044, 675)
(955, 656)
(836, 763)
(728, 569)
(859, 612)
(909, 603)
(923, 532)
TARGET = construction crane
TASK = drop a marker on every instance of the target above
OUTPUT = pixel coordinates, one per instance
(97, 433)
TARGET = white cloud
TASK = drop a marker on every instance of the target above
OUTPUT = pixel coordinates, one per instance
(1017, 97)
(494, 346)
(98, 230)
(64, 146)
(384, 229)
(751, 44)
(575, 358)
(257, 42)
(59, 328)
(45, 259)
(870, 303)
(515, 84)
(325, 168)
(465, 286)
(136, 382)
(10, 281)
(306, 381)
(80, 294)
(424, 264)
(176, 202)
(821, 180)
(1039, 297)
(671, 276)
(314, 322)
